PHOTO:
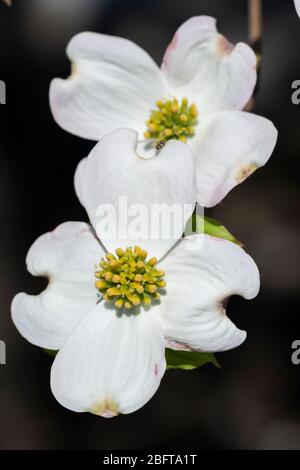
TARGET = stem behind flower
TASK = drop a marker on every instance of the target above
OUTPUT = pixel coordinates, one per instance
(255, 15)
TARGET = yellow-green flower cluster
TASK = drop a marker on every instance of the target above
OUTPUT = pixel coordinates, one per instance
(172, 120)
(127, 279)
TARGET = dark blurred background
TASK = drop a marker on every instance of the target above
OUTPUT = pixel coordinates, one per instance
(253, 401)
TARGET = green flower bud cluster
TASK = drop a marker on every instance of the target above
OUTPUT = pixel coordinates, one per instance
(172, 120)
(127, 279)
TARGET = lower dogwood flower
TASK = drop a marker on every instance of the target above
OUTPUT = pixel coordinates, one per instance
(112, 305)
(197, 96)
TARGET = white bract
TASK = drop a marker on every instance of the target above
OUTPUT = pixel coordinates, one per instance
(196, 96)
(112, 349)
(297, 5)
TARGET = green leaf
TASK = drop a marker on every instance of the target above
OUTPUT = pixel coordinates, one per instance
(210, 226)
(189, 360)
(50, 352)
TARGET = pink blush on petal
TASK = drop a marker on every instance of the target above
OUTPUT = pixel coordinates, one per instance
(171, 47)
(224, 47)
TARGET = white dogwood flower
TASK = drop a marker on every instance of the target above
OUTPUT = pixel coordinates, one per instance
(297, 5)
(112, 305)
(196, 96)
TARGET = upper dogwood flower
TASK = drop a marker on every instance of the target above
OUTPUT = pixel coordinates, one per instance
(197, 96)
(112, 349)
(297, 5)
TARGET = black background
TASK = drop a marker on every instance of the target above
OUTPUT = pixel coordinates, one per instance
(253, 401)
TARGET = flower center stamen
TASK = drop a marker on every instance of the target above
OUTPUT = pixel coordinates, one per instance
(172, 120)
(127, 279)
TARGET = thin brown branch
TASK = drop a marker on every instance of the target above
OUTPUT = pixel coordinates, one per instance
(255, 21)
